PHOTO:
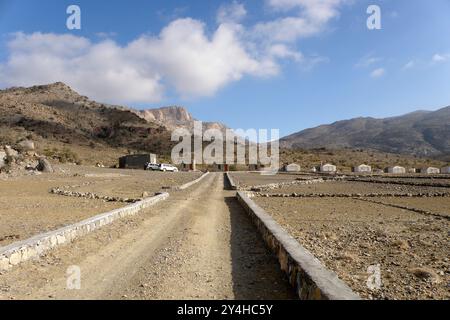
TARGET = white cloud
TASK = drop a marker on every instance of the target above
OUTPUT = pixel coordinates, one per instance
(409, 65)
(182, 56)
(185, 55)
(283, 51)
(310, 17)
(438, 57)
(193, 63)
(367, 61)
(102, 70)
(232, 12)
(377, 73)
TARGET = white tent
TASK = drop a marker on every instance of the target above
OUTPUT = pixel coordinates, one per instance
(363, 168)
(429, 170)
(396, 170)
(293, 167)
(328, 168)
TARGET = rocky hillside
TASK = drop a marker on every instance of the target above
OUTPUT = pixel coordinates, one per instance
(176, 117)
(66, 125)
(421, 133)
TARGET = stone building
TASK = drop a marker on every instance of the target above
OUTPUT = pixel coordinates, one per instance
(136, 161)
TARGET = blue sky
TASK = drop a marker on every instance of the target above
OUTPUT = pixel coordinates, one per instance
(287, 64)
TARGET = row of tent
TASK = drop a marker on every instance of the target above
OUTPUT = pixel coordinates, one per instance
(363, 168)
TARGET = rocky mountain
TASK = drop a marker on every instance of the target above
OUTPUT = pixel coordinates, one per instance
(421, 133)
(58, 118)
(176, 117)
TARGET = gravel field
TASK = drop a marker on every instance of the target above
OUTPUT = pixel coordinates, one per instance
(435, 205)
(27, 208)
(348, 187)
(350, 235)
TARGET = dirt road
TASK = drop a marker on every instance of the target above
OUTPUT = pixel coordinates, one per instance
(199, 244)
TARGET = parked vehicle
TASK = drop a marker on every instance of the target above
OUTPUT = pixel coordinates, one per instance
(167, 167)
(152, 166)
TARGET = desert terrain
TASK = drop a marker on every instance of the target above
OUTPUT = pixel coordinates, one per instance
(351, 225)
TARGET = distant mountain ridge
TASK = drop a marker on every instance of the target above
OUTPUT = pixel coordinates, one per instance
(176, 117)
(420, 133)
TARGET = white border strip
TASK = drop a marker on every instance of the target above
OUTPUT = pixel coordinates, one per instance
(187, 185)
(34, 247)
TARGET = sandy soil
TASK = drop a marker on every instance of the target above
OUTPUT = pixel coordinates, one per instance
(350, 235)
(27, 208)
(198, 244)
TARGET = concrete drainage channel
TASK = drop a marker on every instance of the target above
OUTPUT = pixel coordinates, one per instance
(309, 277)
(36, 246)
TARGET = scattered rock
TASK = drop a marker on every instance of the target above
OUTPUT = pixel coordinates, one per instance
(44, 165)
(26, 146)
(11, 153)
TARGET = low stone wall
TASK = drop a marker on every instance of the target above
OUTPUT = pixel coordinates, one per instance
(310, 279)
(187, 185)
(421, 211)
(406, 183)
(34, 247)
(231, 181)
(353, 195)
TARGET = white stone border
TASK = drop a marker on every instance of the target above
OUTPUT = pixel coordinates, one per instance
(309, 277)
(187, 185)
(231, 181)
(34, 247)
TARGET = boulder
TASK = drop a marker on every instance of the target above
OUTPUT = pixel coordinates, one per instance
(44, 165)
(26, 145)
(11, 153)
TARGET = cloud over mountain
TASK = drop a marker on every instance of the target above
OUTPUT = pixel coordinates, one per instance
(186, 56)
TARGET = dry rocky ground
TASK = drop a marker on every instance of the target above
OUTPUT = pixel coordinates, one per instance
(28, 208)
(349, 235)
(248, 179)
(198, 244)
(348, 187)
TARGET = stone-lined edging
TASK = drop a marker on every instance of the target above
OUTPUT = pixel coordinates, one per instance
(309, 277)
(34, 247)
(231, 181)
(279, 185)
(397, 206)
(406, 183)
(353, 195)
(91, 195)
(187, 185)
